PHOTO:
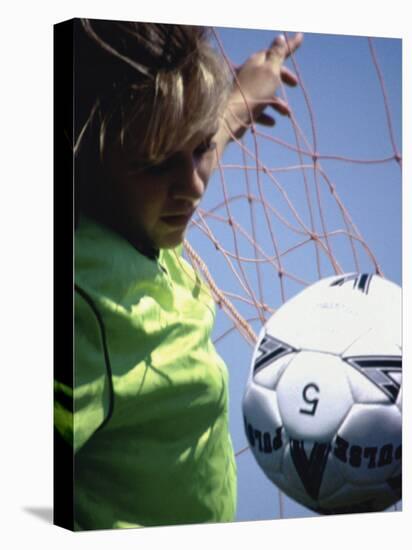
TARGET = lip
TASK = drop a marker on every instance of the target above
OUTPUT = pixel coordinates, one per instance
(178, 219)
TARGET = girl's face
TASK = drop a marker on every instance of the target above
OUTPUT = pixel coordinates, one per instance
(152, 206)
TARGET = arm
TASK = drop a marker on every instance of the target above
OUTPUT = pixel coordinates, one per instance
(254, 87)
(79, 411)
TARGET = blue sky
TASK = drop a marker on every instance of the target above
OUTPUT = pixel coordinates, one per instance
(350, 119)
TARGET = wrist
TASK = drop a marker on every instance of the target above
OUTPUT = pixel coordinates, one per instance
(234, 122)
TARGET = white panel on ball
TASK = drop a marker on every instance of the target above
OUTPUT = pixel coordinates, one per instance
(310, 467)
(327, 316)
(368, 444)
(363, 390)
(269, 378)
(263, 427)
(314, 396)
(375, 341)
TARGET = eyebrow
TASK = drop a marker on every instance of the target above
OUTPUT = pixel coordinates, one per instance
(207, 136)
(208, 132)
(214, 131)
(141, 164)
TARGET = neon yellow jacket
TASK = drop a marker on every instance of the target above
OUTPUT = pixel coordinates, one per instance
(150, 428)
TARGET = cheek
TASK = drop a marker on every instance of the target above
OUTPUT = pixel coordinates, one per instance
(204, 169)
(145, 202)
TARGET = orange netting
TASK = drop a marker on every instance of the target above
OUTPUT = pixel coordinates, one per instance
(260, 202)
(278, 222)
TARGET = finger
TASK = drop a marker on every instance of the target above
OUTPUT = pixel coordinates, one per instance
(277, 50)
(293, 43)
(265, 120)
(288, 77)
(283, 46)
(281, 106)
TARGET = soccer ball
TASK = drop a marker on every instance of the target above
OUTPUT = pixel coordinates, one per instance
(323, 406)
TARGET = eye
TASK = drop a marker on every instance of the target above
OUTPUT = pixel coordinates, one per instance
(161, 168)
(151, 169)
(205, 147)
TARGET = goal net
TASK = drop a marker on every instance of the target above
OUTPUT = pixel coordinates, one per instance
(316, 195)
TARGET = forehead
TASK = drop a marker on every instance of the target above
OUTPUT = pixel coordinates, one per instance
(177, 141)
(201, 135)
(133, 157)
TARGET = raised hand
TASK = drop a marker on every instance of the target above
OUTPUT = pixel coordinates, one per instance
(256, 83)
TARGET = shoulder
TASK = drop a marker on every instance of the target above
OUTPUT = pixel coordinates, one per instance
(186, 278)
(107, 265)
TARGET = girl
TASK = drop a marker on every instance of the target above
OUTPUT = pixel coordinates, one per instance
(147, 417)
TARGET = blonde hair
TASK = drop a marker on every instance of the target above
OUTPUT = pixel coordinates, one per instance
(164, 80)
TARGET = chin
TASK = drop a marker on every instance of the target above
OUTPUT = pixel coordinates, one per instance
(172, 240)
(172, 244)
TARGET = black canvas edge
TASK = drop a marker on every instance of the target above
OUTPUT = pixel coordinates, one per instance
(63, 274)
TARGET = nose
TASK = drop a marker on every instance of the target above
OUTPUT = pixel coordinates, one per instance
(188, 185)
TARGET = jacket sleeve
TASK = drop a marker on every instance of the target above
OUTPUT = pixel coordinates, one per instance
(80, 410)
